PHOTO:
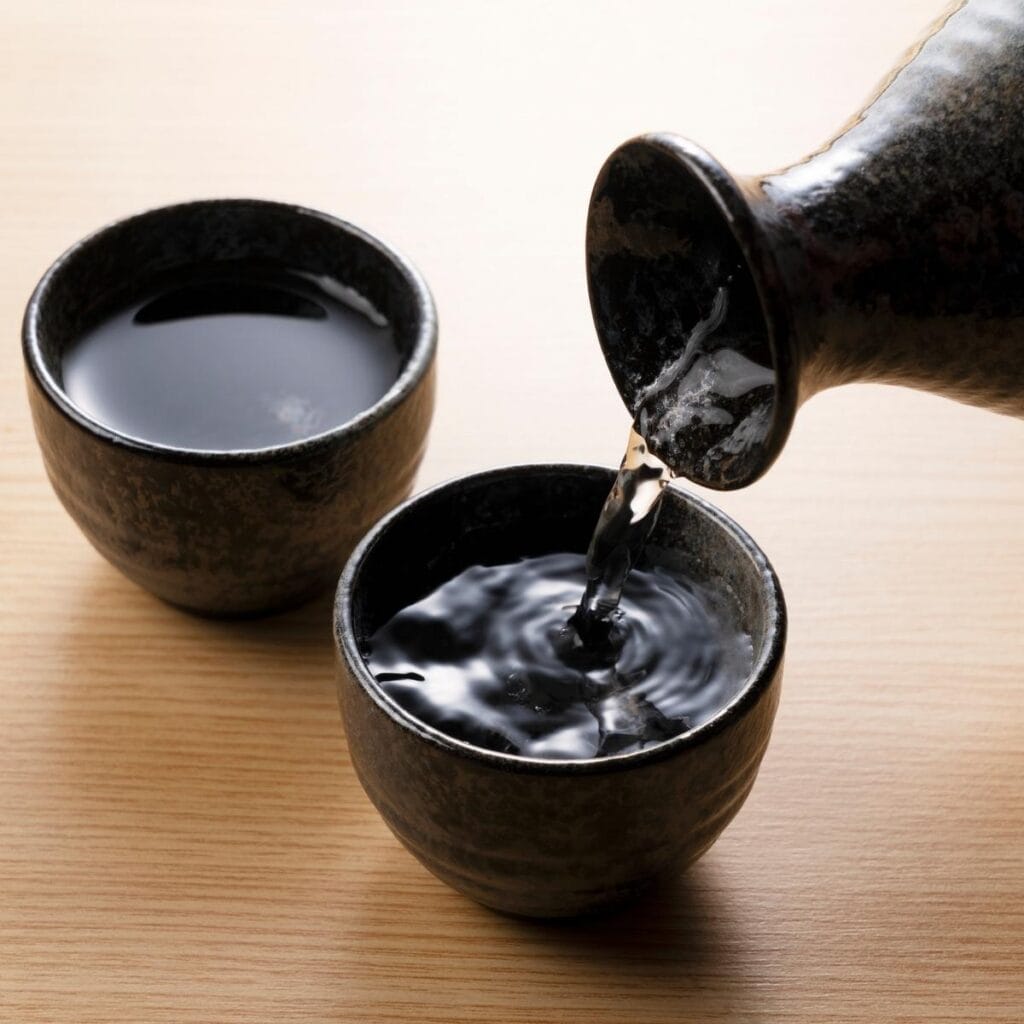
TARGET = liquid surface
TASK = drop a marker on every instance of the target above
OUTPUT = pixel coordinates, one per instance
(234, 357)
(488, 658)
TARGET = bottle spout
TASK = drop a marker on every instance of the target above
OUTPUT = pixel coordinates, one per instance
(690, 312)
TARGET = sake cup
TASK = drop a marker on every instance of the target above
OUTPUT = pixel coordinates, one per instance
(551, 838)
(228, 532)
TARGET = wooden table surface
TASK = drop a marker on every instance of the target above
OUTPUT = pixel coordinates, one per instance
(182, 837)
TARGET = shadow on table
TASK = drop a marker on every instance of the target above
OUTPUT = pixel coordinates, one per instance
(192, 734)
(677, 950)
(684, 952)
(309, 622)
(113, 604)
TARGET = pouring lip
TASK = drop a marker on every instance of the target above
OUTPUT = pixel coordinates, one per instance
(746, 213)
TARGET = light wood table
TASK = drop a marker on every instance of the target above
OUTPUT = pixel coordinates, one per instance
(181, 834)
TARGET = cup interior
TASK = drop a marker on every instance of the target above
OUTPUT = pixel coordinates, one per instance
(503, 515)
(121, 264)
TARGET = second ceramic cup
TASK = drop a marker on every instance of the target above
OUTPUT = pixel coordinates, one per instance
(248, 530)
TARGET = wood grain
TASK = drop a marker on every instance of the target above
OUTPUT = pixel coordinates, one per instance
(181, 834)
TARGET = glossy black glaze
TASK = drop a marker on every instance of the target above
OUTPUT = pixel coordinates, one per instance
(893, 254)
(542, 837)
(228, 533)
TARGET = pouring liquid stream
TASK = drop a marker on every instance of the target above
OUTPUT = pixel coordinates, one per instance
(508, 657)
(627, 518)
(688, 387)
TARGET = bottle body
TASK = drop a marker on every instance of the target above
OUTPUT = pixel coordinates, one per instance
(894, 254)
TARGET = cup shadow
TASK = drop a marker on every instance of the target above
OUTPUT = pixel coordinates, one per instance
(678, 951)
(682, 952)
(188, 739)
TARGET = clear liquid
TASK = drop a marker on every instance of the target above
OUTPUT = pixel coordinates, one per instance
(688, 396)
(626, 521)
(488, 658)
(233, 356)
(710, 408)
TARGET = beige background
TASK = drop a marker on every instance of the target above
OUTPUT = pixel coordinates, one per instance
(181, 835)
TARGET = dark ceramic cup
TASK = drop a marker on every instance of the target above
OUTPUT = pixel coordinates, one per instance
(547, 838)
(239, 532)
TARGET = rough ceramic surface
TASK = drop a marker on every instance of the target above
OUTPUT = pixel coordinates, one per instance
(895, 253)
(236, 532)
(534, 837)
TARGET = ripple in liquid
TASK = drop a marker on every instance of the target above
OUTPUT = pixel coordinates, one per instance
(490, 657)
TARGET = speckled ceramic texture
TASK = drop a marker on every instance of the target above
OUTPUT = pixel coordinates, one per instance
(895, 253)
(229, 533)
(536, 837)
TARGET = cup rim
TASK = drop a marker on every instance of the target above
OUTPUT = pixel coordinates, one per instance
(417, 363)
(763, 672)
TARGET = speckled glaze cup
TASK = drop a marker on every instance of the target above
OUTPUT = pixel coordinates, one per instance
(536, 837)
(240, 532)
